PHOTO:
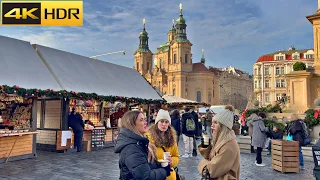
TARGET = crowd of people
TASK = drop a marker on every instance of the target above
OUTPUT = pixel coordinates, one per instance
(150, 150)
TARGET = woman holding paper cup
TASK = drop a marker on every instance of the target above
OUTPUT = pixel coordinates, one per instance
(222, 155)
(137, 155)
(164, 137)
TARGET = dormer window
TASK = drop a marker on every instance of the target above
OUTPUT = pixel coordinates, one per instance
(279, 58)
(295, 56)
(309, 54)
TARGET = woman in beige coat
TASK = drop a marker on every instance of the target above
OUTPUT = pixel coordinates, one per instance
(222, 157)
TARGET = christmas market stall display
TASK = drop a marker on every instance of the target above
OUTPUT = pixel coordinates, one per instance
(173, 102)
(16, 133)
(84, 81)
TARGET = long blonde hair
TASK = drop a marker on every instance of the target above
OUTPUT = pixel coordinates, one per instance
(222, 133)
(128, 121)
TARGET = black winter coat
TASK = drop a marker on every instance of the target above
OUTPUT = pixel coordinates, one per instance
(296, 131)
(75, 122)
(133, 162)
(176, 123)
(276, 135)
(184, 118)
(196, 118)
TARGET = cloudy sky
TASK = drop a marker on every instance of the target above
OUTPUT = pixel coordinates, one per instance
(232, 32)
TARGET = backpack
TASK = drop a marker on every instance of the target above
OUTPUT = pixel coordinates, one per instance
(190, 124)
(305, 134)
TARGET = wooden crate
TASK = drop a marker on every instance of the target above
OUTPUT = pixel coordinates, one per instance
(285, 156)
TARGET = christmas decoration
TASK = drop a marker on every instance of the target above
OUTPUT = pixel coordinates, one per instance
(27, 93)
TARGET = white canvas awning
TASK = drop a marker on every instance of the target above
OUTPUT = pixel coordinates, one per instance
(173, 99)
(82, 74)
(20, 65)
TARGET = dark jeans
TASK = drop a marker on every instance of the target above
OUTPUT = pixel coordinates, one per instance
(78, 140)
(252, 148)
(259, 157)
(301, 157)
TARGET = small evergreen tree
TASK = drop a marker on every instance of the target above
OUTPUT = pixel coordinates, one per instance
(299, 66)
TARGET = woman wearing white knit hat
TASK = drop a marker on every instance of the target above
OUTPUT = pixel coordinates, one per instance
(164, 137)
(222, 156)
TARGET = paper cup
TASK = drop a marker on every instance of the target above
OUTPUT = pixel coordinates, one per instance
(166, 155)
(164, 163)
(205, 139)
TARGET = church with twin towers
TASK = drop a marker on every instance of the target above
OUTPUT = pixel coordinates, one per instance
(171, 70)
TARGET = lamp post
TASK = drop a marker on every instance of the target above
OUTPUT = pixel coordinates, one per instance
(95, 57)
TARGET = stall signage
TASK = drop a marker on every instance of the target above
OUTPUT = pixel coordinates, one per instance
(41, 13)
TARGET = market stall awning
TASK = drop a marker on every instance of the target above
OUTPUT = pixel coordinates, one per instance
(173, 99)
(82, 74)
(20, 65)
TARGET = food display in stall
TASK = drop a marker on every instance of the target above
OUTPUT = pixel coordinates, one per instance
(89, 110)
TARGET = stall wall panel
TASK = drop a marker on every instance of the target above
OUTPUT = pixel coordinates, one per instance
(52, 117)
(46, 137)
(39, 111)
(22, 146)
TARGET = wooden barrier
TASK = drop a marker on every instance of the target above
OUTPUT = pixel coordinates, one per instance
(285, 156)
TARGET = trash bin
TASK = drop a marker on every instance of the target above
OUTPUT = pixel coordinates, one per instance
(316, 160)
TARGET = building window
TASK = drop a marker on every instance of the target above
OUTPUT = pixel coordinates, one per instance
(255, 71)
(199, 96)
(267, 84)
(148, 66)
(278, 96)
(137, 66)
(186, 92)
(282, 70)
(278, 84)
(255, 84)
(259, 84)
(186, 79)
(175, 59)
(159, 83)
(266, 71)
(186, 58)
(295, 56)
(267, 98)
(173, 91)
(309, 56)
(279, 57)
(277, 70)
(212, 93)
(283, 83)
(209, 97)
(160, 63)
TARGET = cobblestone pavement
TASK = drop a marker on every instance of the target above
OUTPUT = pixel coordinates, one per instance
(104, 165)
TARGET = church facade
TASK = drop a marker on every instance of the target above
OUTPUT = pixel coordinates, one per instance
(171, 69)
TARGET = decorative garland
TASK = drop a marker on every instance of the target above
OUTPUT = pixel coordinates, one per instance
(37, 93)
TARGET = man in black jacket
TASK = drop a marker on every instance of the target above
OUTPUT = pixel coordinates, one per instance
(76, 123)
(188, 132)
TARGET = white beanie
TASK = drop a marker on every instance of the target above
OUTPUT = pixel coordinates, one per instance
(225, 117)
(163, 114)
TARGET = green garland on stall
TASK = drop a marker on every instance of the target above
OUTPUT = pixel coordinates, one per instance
(36, 93)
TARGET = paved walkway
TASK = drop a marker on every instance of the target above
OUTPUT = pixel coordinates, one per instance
(104, 165)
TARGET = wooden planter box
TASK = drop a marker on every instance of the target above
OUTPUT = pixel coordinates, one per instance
(285, 156)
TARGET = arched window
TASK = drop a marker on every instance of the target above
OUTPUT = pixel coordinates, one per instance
(186, 92)
(199, 96)
(137, 66)
(174, 59)
(186, 58)
(174, 92)
(209, 97)
(212, 93)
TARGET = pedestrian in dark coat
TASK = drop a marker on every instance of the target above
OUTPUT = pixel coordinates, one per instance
(259, 136)
(187, 135)
(275, 134)
(176, 123)
(137, 157)
(76, 123)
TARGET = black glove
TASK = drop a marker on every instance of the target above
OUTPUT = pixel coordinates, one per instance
(168, 169)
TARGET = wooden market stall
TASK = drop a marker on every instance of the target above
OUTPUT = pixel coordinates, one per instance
(173, 102)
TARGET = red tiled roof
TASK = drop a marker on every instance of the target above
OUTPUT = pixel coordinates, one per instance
(199, 67)
(288, 54)
(215, 71)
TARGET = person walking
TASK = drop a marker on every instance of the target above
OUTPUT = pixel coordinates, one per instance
(198, 132)
(137, 156)
(250, 130)
(296, 130)
(208, 122)
(222, 156)
(164, 137)
(188, 132)
(259, 137)
(76, 123)
(176, 123)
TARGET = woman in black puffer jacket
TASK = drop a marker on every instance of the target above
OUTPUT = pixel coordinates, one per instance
(137, 157)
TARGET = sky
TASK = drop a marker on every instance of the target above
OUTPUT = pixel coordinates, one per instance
(232, 32)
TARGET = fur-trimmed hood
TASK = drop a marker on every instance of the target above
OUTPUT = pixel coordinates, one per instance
(154, 137)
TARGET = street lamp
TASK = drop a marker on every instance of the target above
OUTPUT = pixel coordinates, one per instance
(95, 57)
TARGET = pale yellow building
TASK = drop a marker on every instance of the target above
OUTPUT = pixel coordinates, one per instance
(172, 71)
(270, 70)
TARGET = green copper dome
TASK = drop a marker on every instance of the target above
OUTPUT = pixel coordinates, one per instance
(181, 20)
(143, 33)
